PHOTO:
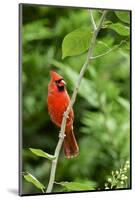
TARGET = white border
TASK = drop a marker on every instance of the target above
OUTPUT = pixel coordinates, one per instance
(9, 97)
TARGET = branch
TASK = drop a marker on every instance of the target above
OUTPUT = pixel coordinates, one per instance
(92, 21)
(73, 98)
(103, 54)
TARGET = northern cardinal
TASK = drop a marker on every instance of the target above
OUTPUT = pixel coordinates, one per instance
(58, 100)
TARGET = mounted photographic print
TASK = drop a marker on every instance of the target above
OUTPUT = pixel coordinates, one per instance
(75, 91)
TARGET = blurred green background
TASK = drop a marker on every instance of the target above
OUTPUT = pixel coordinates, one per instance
(102, 113)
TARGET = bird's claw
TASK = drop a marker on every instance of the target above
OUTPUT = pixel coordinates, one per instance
(64, 114)
(61, 136)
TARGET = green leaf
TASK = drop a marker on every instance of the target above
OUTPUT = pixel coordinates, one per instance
(125, 46)
(30, 178)
(100, 48)
(120, 29)
(40, 153)
(76, 186)
(123, 16)
(76, 42)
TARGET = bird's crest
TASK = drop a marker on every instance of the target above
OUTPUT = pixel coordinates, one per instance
(55, 76)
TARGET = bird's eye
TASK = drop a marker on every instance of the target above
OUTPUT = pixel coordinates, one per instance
(60, 84)
(58, 81)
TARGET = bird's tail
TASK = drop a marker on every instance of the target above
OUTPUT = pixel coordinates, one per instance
(70, 145)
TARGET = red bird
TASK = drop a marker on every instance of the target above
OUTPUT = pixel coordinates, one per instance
(58, 100)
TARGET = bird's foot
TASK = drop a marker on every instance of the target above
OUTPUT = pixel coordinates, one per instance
(61, 135)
